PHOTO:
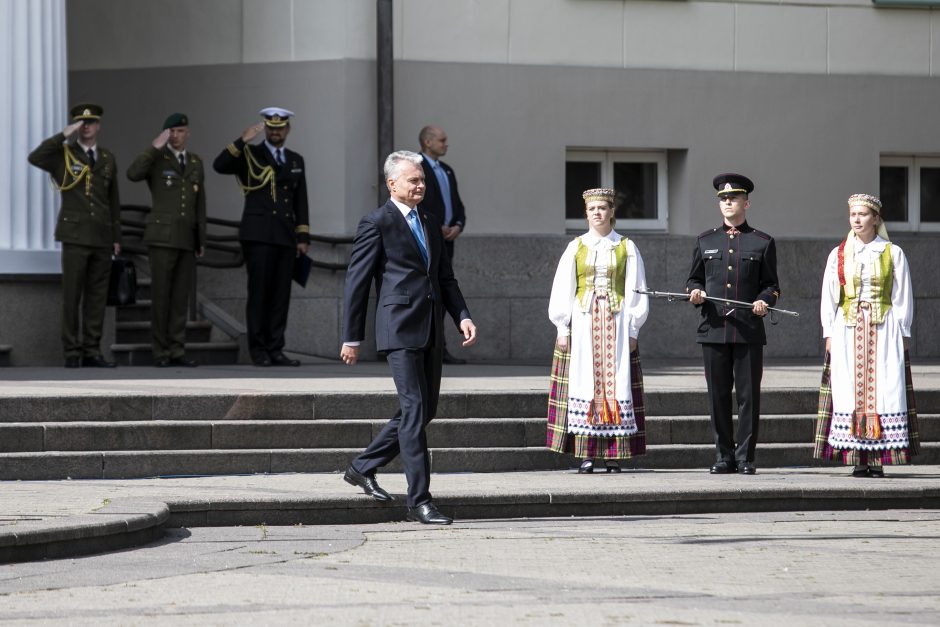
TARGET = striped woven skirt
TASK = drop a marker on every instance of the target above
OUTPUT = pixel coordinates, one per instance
(558, 438)
(852, 456)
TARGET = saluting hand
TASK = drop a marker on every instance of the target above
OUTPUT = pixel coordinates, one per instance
(69, 130)
(161, 139)
(252, 131)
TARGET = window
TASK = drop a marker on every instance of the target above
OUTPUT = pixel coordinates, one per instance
(910, 193)
(638, 177)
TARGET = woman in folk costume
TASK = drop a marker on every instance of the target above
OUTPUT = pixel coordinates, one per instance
(866, 414)
(596, 401)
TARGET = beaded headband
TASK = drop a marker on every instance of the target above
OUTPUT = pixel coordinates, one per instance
(867, 200)
(599, 193)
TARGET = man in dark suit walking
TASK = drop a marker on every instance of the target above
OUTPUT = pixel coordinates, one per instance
(441, 197)
(738, 262)
(175, 235)
(89, 227)
(274, 228)
(402, 251)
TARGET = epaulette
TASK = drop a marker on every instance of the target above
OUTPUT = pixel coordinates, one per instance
(762, 234)
(708, 232)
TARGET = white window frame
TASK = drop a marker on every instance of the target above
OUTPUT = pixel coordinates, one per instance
(913, 165)
(607, 159)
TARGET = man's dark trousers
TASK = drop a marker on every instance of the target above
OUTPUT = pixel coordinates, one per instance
(740, 365)
(417, 376)
(270, 269)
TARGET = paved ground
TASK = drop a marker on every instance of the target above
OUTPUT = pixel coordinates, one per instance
(34, 506)
(857, 568)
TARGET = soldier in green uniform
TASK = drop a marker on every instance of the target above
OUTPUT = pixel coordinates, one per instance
(89, 227)
(175, 234)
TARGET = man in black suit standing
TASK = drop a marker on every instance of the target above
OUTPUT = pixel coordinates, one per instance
(402, 251)
(274, 229)
(441, 197)
(738, 262)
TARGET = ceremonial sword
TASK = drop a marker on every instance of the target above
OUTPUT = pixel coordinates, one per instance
(673, 296)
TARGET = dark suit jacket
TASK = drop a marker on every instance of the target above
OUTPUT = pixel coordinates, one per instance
(433, 200)
(743, 267)
(91, 210)
(178, 216)
(281, 219)
(407, 292)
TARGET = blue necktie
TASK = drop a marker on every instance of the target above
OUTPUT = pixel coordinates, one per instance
(418, 232)
(444, 183)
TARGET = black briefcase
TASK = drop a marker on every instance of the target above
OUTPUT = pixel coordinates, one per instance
(122, 289)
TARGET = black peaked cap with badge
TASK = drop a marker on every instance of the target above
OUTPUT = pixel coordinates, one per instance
(730, 183)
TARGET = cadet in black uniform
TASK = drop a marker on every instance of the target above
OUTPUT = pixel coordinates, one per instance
(274, 228)
(738, 262)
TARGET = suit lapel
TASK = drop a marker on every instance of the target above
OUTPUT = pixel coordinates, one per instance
(402, 222)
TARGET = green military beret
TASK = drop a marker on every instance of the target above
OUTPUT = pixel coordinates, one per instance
(176, 119)
(86, 111)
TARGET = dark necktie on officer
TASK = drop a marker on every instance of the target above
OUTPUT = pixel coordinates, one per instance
(182, 162)
(91, 157)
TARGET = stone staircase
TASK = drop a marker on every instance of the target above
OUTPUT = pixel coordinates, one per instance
(166, 435)
(132, 334)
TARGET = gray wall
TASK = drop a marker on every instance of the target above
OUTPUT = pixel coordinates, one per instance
(507, 280)
(808, 141)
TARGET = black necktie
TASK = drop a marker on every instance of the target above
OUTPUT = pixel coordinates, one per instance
(182, 162)
(279, 157)
(91, 158)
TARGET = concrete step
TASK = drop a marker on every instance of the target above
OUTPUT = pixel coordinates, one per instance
(355, 405)
(137, 464)
(138, 312)
(205, 353)
(316, 434)
(138, 332)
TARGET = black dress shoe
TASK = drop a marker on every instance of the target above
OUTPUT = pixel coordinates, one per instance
(368, 484)
(611, 465)
(860, 471)
(746, 468)
(183, 361)
(280, 359)
(427, 514)
(97, 362)
(876, 471)
(586, 467)
(450, 359)
(161, 362)
(262, 361)
(73, 362)
(724, 467)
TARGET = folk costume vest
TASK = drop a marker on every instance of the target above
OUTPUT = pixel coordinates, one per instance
(882, 281)
(616, 275)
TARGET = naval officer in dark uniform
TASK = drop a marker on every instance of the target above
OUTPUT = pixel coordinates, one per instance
(738, 262)
(89, 227)
(175, 234)
(274, 228)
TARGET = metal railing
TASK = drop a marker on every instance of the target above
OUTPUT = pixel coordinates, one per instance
(222, 249)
